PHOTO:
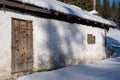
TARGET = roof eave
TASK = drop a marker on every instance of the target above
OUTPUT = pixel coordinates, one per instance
(55, 14)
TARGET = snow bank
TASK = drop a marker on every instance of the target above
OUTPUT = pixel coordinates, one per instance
(102, 70)
(69, 9)
(113, 39)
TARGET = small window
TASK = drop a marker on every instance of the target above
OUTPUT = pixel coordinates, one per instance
(91, 39)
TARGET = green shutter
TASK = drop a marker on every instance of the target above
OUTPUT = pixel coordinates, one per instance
(88, 38)
(94, 39)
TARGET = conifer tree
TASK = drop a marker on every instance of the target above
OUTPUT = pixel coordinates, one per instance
(86, 4)
(118, 14)
(98, 7)
(113, 14)
(106, 9)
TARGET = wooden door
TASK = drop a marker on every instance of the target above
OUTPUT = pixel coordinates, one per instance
(22, 45)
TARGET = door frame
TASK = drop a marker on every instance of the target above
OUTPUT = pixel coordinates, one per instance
(12, 50)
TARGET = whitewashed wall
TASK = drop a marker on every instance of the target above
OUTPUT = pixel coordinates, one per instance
(5, 45)
(56, 43)
(62, 44)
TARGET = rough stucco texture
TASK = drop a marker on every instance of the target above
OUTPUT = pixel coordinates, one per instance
(5, 46)
(59, 44)
(55, 43)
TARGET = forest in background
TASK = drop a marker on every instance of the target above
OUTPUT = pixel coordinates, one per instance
(105, 9)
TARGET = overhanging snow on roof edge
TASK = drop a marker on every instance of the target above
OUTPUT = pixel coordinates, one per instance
(67, 9)
(93, 12)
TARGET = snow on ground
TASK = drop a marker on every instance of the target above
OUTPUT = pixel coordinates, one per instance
(113, 39)
(102, 70)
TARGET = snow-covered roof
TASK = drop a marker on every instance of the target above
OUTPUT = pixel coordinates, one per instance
(69, 9)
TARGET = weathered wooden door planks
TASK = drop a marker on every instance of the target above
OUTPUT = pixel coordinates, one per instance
(22, 45)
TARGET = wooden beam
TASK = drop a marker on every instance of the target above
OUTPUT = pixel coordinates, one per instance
(24, 6)
(50, 14)
(1, 2)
